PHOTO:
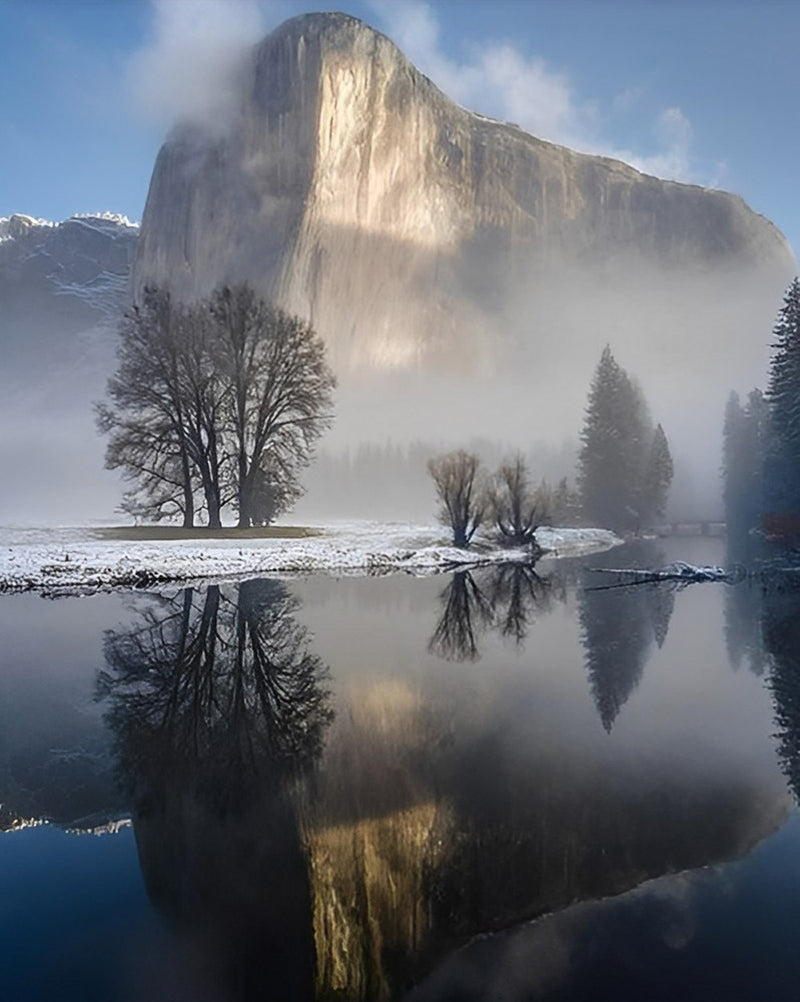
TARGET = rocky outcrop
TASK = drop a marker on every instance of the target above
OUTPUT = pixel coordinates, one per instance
(354, 192)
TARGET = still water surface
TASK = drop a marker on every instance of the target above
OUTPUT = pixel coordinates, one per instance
(339, 787)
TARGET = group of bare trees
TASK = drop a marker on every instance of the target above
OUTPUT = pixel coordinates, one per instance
(508, 501)
(624, 473)
(214, 405)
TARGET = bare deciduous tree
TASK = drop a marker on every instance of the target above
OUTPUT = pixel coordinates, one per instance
(518, 510)
(221, 400)
(146, 417)
(280, 397)
(461, 490)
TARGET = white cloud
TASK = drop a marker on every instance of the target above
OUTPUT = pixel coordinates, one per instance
(496, 79)
(673, 133)
(186, 70)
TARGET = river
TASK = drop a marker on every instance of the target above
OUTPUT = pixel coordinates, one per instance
(509, 783)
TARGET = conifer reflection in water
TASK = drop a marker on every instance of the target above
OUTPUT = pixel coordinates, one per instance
(217, 705)
(743, 608)
(781, 633)
(619, 624)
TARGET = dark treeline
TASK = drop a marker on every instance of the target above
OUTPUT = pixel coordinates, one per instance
(761, 441)
(744, 445)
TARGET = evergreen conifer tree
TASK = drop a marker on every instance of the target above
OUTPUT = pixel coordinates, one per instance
(731, 452)
(658, 477)
(745, 437)
(782, 473)
(615, 443)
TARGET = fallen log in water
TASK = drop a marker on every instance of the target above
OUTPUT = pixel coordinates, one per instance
(679, 570)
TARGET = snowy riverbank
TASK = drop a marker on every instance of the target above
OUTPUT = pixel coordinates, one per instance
(55, 560)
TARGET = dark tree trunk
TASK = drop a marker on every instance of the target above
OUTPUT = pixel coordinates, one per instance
(188, 496)
(214, 520)
(245, 512)
(212, 501)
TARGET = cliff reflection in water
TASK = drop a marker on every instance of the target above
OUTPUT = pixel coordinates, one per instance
(302, 854)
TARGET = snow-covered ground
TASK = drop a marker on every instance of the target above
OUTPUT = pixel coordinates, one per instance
(53, 560)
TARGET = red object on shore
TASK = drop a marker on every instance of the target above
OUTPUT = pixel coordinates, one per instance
(781, 525)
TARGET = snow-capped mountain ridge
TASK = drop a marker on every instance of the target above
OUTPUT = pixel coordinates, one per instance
(63, 289)
(20, 223)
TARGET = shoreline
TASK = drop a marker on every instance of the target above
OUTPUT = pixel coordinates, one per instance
(74, 561)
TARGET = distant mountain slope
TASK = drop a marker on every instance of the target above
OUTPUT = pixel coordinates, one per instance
(57, 280)
(63, 287)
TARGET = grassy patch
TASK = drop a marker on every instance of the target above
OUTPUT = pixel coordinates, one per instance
(155, 533)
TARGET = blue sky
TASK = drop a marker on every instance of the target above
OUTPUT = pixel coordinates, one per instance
(705, 92)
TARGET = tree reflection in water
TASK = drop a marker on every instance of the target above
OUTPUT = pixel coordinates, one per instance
(618, 627)
(217, 705)
(743, 601)
(466, 613)
(517, 593)
(781, 632)
(503, 596)
(618, 624)
(426, 822)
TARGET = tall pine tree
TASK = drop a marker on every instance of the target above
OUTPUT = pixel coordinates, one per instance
(657, 477)
(624, 469)
(782, 470)
(743, 447)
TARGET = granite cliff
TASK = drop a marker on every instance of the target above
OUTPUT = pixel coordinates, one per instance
(350, 189)
(464, 275)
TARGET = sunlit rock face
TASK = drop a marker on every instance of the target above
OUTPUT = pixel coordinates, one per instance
(350, 189)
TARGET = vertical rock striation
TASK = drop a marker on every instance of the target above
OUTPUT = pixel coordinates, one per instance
(354, 192)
